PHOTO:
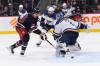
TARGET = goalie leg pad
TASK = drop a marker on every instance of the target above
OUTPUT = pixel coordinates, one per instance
(61, 49)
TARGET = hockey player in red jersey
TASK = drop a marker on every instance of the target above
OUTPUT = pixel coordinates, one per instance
(23, 28)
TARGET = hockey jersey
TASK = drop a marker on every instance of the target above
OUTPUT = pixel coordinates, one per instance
(49, 18)
(68, 25)
(22, 13)
(28, 22)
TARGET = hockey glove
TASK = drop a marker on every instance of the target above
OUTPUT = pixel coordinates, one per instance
(56, 36)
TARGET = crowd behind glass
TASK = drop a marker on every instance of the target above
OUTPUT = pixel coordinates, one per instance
(10, 7)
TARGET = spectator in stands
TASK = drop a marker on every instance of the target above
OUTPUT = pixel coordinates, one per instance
(5, 11)
(10, 11)
(0, 10)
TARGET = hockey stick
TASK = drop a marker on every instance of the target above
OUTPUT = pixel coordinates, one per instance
(48, 40)
(51, 44)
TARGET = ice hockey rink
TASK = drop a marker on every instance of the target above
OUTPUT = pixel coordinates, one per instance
(45, 54)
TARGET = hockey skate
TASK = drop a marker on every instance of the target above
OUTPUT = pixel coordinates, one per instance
(22, 52)
(43, 37)
(75, 47)
(23, 48)
(10, 49)
(38, 44)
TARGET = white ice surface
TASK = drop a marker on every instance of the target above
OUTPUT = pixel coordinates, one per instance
(45, 55)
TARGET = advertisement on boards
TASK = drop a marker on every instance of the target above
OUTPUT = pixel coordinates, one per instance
(93, 20)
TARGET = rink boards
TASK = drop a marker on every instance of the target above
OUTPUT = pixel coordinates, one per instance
(7, 23)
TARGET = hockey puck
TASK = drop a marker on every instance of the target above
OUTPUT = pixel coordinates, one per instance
(72, 57)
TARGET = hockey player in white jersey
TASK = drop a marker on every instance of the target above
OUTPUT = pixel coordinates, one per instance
(46, 20)
(49, 14)
(66, 34)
